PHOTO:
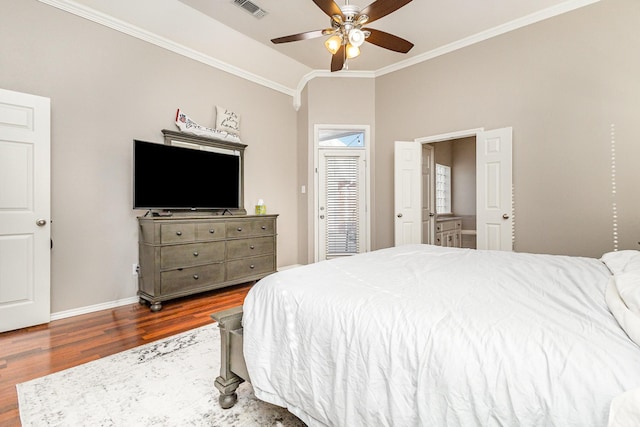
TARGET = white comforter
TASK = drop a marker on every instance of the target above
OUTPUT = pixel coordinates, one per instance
(427, 336)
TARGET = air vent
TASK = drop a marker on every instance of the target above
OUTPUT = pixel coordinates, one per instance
(251, 8)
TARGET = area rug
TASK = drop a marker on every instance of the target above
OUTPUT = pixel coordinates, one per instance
(169, 382)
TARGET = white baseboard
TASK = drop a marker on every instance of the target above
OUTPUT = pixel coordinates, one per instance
(286, 267)
(93, 308)
(118, 303)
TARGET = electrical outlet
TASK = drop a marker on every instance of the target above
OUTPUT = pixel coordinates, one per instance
(135, 270)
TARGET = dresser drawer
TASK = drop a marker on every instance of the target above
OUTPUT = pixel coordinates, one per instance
(191, 254)
(449, 225)
(256, 227)
(249, 267)
(250, 247)
(185, 279)
(175, 233)
(210, 231)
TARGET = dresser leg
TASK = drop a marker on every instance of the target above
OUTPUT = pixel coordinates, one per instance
(156, 306)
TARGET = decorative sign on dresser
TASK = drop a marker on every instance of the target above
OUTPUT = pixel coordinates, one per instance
(184, 255)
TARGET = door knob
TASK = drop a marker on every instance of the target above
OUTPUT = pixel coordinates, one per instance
(431, 214)
(505, 216)
(41, 222)
(399, 215)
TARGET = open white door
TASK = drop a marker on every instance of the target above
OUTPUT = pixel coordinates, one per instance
(428, 196)
(494, 189)
(24, 210)
(407, 192)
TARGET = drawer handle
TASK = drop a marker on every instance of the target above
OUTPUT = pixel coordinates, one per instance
(211, 230)
(179, 233)
(252, 266)
(239, 228)
(264, 227)
(195, 276)
(252, 247)
(196, 253)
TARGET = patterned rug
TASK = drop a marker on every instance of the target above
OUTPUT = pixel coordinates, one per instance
(164, 383)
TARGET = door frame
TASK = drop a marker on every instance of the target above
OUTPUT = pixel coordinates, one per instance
(366, 227)
(476, 133)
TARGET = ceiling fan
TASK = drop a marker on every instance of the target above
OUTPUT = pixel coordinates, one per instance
(347, 31)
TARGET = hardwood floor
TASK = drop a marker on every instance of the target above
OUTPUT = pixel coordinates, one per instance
(41, 350)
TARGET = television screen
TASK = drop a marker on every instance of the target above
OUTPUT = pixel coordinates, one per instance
(168, 177)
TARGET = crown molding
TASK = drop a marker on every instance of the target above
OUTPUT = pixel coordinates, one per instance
(139, 33)
(541, 15)
(297, 98)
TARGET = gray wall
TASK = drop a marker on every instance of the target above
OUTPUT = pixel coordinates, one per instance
(561, 84)
(106, 89)
(336, 101)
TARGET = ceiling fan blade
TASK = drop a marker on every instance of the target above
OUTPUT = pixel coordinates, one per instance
(337, 60)
(329, 7)
(381, 8)
(297, 37)
(388, 41)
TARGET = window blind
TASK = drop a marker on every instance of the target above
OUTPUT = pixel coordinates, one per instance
(342, 207)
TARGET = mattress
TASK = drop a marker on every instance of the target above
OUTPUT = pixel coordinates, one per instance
(421, 335)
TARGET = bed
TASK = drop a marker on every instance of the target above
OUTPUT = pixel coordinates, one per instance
(423, 335)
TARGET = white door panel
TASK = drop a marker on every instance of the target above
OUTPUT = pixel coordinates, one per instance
(342, 203)
(494, 189)
(428, 196)
(24, 203)
(408, 192)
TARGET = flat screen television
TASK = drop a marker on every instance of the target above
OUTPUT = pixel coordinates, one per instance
(166, 177)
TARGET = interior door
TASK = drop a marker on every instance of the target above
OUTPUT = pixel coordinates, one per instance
(408, 192)
(342, 203)
(494, 189)
(428, 196)
(24, 210)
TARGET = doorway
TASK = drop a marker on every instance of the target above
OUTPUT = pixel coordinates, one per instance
(342, 187)
(454, 192)
(494, 192)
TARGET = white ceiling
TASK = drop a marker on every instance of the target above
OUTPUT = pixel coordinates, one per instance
(221, 33)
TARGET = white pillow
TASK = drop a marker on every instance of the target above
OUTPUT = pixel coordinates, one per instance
(627, 261)
(628, 285)
(227, 120)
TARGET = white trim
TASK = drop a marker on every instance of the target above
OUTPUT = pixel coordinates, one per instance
(117, 303)
(448, 136)
(541, 15)
(297, 97)
(93, 308)
(287, 267)
(139, 33)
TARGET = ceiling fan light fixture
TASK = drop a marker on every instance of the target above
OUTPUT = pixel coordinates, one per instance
(333, 43)
(356, 37)
(352, 51)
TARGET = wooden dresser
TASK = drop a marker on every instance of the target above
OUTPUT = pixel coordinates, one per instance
(184, 255)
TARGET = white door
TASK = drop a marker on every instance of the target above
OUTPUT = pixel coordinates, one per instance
(494, 189)
(342, 222)
(408, 192)
(428, 196)
(24, 210)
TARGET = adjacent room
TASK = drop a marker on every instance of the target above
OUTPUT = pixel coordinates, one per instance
(316, 212)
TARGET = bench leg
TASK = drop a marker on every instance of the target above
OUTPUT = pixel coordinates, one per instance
(227, 383)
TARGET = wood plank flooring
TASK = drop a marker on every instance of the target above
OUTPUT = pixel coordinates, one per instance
(44, 349)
